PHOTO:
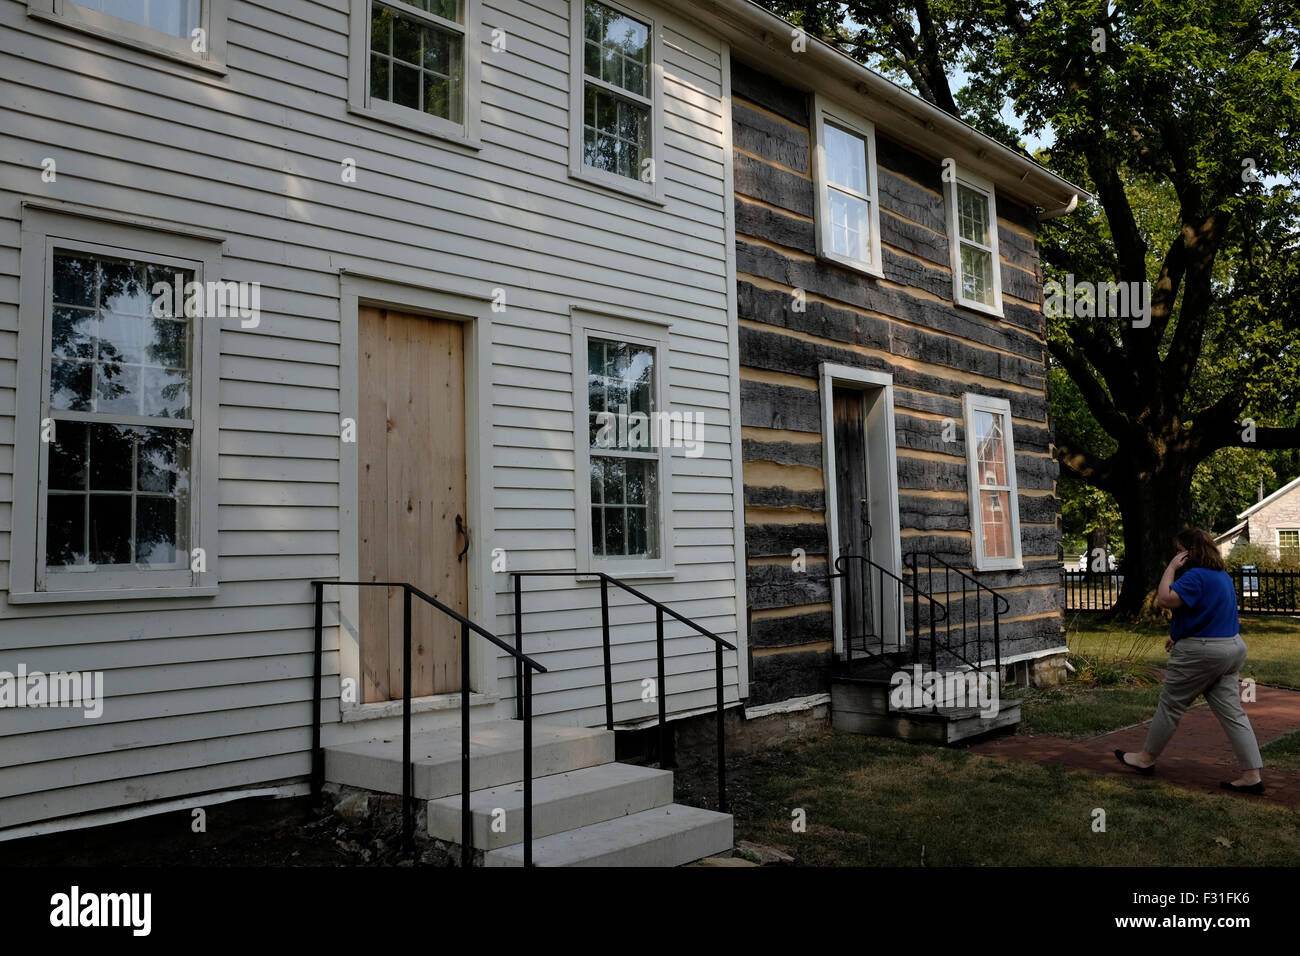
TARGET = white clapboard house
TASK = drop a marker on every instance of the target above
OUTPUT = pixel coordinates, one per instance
(369, 291)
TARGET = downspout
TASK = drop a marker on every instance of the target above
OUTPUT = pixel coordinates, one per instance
(1061, 211)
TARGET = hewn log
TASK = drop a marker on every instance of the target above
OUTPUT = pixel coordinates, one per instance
(811, 628)
(782, 452)
(764, 405)
(770, 93)
(769, 138)
(780, 540)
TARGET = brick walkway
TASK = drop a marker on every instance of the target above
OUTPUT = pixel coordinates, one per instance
(1197, 758)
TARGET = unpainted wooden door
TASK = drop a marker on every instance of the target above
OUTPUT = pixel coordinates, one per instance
(411, 443)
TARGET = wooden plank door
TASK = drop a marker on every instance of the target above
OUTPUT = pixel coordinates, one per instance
(849, 413)
(411, 443)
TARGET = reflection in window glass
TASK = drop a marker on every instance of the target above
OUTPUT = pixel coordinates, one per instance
(117, 492)
(616, 110)
(416, 64)
(179, 18)
(624, 456)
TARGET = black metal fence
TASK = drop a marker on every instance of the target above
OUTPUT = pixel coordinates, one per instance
(1259, 590)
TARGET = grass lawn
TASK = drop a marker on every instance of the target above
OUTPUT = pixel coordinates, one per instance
(1116, 680)
(877, 802)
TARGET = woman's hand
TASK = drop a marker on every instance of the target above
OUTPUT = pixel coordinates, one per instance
(1169, 644)
(1165, 595)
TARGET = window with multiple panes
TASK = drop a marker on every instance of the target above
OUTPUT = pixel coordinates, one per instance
(415, 63)
(624, 449)
(1288, 543)
(417, 56)
(973, 233)
(119, 409)
(994, 507)
(192, 30)
(845, 167)
(616, 135)
(115, 464)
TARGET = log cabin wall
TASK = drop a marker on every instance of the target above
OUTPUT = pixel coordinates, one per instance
(905, 325)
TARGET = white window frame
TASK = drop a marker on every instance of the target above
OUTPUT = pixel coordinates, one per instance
(587, 325)
(1277, 538)
(43, 229)
(985, 187)
(825, 109)
(359, 102)
(652, 191)
(213, 16)
(972, 403)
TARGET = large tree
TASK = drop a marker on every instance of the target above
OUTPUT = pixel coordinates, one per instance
(1183, 120)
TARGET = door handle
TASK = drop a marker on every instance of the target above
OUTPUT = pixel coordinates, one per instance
(464, 531)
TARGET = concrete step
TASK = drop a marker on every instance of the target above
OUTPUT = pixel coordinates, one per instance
(496, 757)
(949, 726)
(563, 801)
(665, 836)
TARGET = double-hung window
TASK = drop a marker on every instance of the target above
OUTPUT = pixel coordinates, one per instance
(848, 217)
(192, 31)
(616, 102)
(416, 63)
(1288, 543)
(991, 463)
(973, 239)
(623, 458)
(118, 363)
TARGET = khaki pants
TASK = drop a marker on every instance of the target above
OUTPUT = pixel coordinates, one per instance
(1209, 666)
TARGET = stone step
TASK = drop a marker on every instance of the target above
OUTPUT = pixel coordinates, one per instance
(948, 726)
(563, 801)
(496, 757)
(672, 835)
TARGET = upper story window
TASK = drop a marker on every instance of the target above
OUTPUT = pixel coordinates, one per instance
(117, 413)
(845, 169)
(193, 31)
(973, 234)
(623, 459)
(994, 505)
(416, 63)
(616, 103)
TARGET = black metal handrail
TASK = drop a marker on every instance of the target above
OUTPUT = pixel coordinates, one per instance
(524, 662)
(719, 645)
(1000, 606)
(936, 612)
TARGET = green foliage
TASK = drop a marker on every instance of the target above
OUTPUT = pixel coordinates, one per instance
(1226, 484)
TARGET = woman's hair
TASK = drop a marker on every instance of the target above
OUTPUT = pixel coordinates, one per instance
(1201, 550)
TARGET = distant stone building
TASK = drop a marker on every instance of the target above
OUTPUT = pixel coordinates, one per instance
(1272, 523)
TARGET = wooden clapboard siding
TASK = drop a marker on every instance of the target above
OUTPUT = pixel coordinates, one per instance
(256, 156)
(904, 324)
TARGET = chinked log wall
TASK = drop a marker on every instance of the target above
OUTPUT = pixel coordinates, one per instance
(905, 325)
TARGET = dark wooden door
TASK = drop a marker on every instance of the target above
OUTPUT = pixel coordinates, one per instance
(849, 413)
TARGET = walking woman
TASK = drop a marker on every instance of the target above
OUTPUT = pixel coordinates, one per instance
(1205, 655)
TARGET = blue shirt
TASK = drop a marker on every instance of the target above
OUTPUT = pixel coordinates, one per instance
(1211, 601)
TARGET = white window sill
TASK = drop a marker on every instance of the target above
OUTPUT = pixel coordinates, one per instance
(417, 122)
(184, 56)
(857, 265)
(993, 310)
(1001, 566)
(593, 576)
(608, 182)
(117, 594)
(419, 705)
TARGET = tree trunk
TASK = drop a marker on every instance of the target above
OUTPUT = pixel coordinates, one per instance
(1154, 510)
